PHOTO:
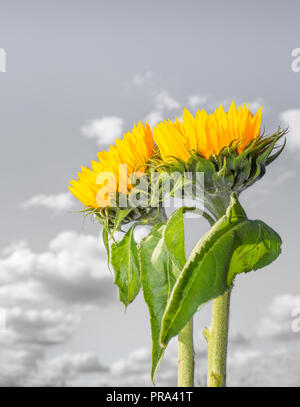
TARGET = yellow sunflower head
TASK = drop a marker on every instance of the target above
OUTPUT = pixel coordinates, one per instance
(227, 147)
(96, 187)
(207, 134)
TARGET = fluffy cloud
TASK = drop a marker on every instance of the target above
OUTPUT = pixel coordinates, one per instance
(134, 370)
(46, 326)
(249, 363)
(196, 101)
(163, 101)
(276, 368)
(68, 370)
(255, 105)
(29, 368)
(154, 117)
(29, 333)
(23, 361)
(37, 292)
(104, 130)
(58, 203)
(73, 270)
(247, 366)
(282, 319)
(291, 118)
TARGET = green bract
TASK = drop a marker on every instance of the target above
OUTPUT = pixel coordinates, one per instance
(229, 171)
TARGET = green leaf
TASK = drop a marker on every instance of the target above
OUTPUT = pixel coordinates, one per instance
(121, 214)
(125, 262)
(174, 234)
(158, 278)
(232, 246)
(174, 237)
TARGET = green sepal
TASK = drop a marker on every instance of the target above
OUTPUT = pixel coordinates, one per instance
(230, 170)
(121, 214)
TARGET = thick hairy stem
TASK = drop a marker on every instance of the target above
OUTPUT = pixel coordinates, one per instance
(186, 356)
(217, 338)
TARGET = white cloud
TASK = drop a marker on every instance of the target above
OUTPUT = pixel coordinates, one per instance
(276, 368)
(255, 105)
(154, 117)
(23, 361)
(29, 334)
(197, 101)
(58, 203)
(46, 326)
(37, 291)
(28, 367)
(291, 118)
(242, 357)
(278, 321)
(163, 101)
(68, 370)
(72, 270)
(247, 366)
(17, 363)
(141, 79)
(134, 369)
(81, 362)
(105, 130)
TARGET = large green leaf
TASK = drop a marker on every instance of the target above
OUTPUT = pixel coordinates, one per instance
(158, 278)
(125, 262)
(232, 246)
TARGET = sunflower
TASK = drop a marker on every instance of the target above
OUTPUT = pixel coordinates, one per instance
(109, 173)
(207, 134)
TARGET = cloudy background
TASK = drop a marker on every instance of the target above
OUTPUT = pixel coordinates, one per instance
(81, 73)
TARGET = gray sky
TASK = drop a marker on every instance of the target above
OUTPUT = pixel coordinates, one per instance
(80, 73)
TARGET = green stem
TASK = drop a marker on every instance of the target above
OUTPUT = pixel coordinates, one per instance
(217, 338)
(186, 356)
